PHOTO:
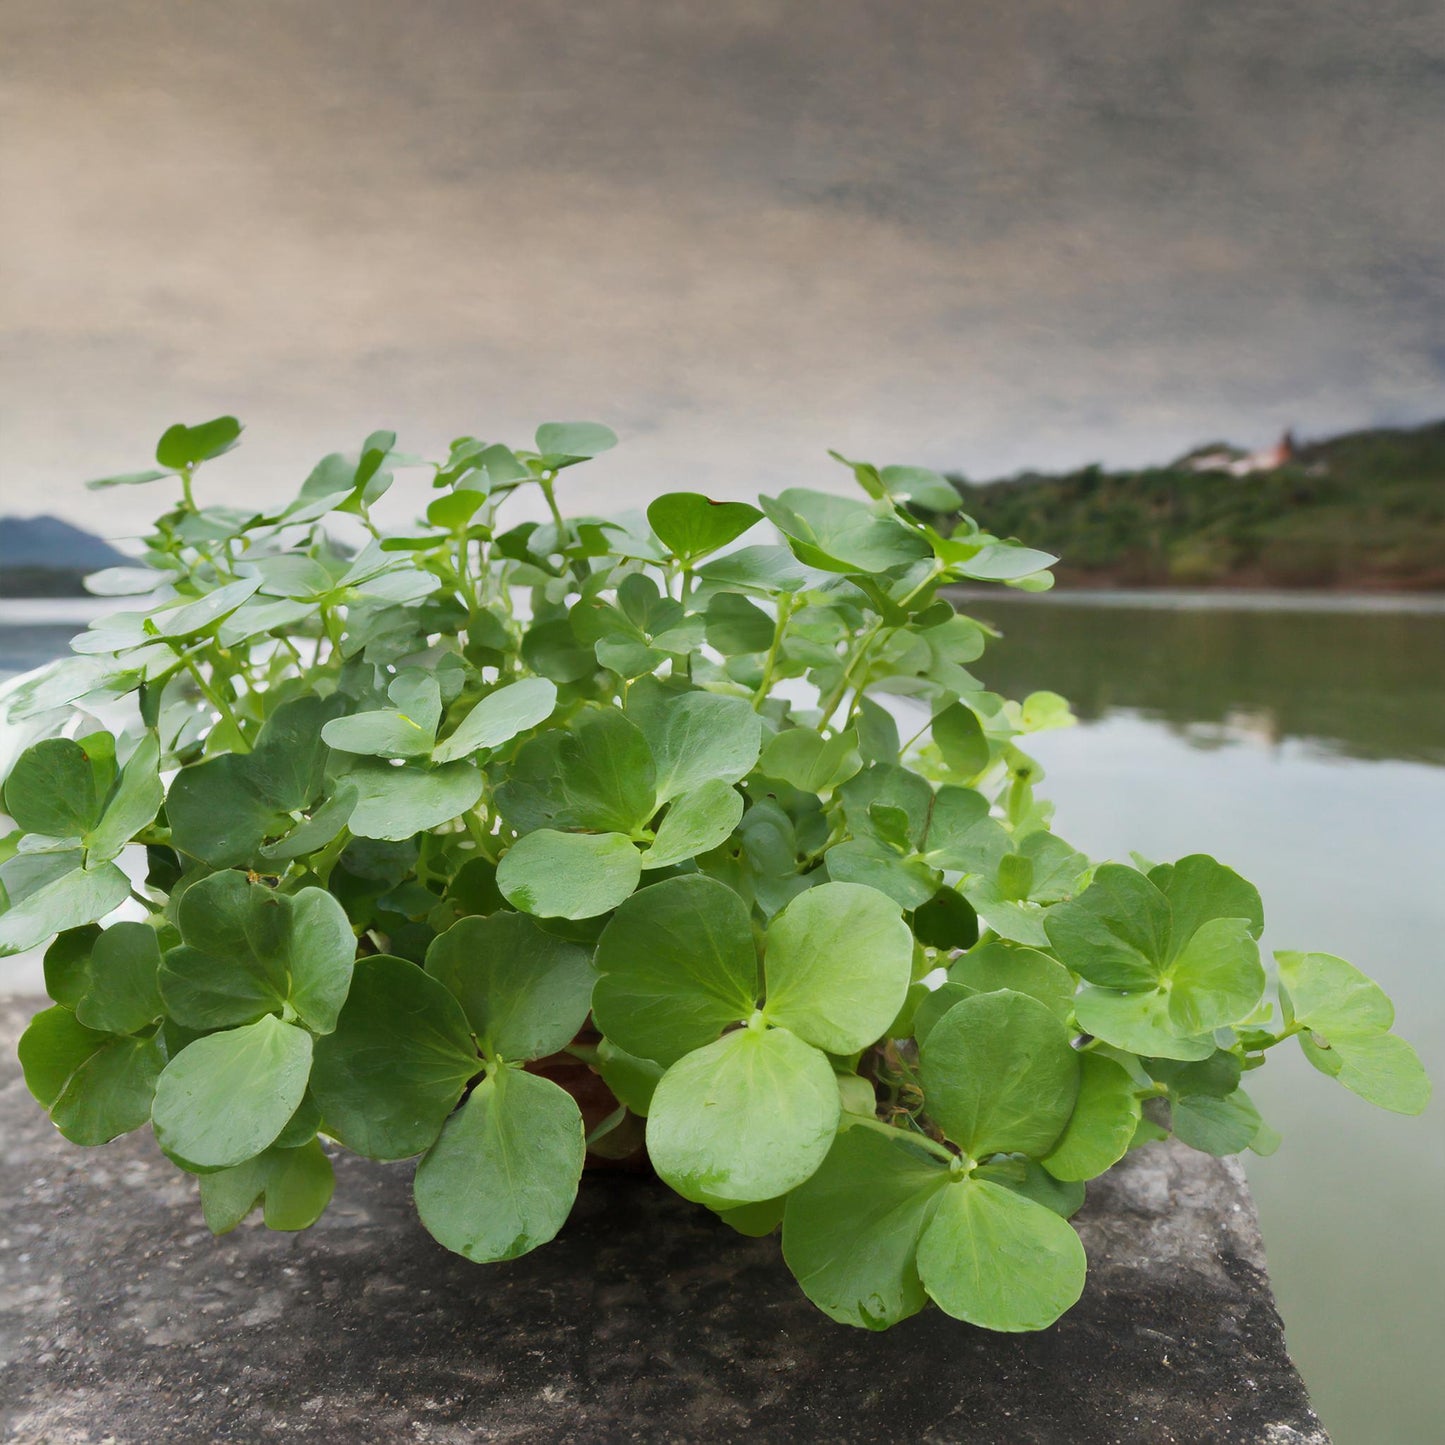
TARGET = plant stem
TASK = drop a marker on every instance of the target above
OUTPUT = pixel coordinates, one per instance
(785, 611)
(218, 702)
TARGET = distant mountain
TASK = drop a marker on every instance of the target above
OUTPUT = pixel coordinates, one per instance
(1362, 510)
(46, 557)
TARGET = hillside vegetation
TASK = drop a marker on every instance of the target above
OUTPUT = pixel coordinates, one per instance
(1365, 509)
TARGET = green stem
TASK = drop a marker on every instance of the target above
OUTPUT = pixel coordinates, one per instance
(859, 1122)
(185, 475)
(785, 610)
(859, 653)
(218, 702)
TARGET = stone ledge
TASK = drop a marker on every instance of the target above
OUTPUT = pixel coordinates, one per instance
(123, 1321)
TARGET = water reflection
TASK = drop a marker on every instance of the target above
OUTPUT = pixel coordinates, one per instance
(1367, 683)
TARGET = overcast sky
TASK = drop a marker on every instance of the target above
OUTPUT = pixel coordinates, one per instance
(971, 235)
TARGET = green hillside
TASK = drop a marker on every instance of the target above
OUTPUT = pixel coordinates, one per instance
(1365, 509)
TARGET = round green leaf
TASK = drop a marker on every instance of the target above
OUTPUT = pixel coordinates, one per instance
(394, 1067)
(837, 961)
(1216, 978)
(851, 1232)
(1024, 970)
(110, 1093)
(227, 1096)
(996, 1259)
(747, 1118)
(248, 950)
(1102, 1125)
(183, 446)
(695, 823)
(394, 803)
(502, 1177)
(296, 1185)
(569, 875)
(677, 965)
(122, 992)
(595, 774)
(526, 993)
(1381, 1068)
(959, 735)
(54, 1045)
(499, 717)
(72, 897)
(1332, 996)
(1138, 1022)
(694, 737)
(1199, 889)
(691, 525)
(1216, 1126)
(1116, 933)
(53, 789)
(1000, 1075)
(561, 441)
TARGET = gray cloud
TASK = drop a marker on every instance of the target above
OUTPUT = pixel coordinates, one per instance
(975, 235)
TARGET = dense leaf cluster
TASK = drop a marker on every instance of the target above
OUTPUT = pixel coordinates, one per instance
(726, 828)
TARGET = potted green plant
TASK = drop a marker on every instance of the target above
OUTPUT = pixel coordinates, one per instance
(509, 845)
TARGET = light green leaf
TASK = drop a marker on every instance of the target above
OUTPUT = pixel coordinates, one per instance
(1025, 970)
(747, 1118)
(133, 802)
(851, 1232)
(1000, 1075)
(959, 735)
(996, 1259)
(1216, 978)
(394, 1067)
(1199, 889)
(122, 993)
(569, 875)
(633, 1080)
(124, 479)
(736, 626)
(225, 1097)
(810, 762)
(1138, 1022)
(921, 487)
(677, 965)
(502, 1177)
(837, 964)
(393, 803)
(1102, 1125)
(692, 525)
(694, 737)
(525, 993)
(838, 534)
(563, 442)
(1381, 1068)
(1333, 997)
(696, 822)
(184, 446)
(68, 898)
(499, 717)
(296, 1185)
(1116, 933)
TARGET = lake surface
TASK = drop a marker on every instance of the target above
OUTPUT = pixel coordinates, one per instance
(1302, 741)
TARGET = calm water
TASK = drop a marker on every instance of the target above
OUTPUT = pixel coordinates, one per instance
(1303, 743)
(1305, 747)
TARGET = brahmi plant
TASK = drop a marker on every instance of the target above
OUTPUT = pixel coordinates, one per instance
(501, 844)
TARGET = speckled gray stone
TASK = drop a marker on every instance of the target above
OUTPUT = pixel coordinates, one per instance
(122, 1320)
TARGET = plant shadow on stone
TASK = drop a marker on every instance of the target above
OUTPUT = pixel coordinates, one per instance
(512, 847)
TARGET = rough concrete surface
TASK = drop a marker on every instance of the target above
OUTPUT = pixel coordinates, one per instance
(122, 1320)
